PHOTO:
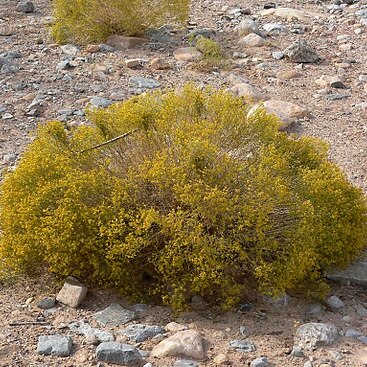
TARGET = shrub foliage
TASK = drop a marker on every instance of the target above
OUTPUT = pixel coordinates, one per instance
(84, 21)
(197, 199)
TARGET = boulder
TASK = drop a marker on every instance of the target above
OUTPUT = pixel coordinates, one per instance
(72, 293)
(55, 345)
(117, 353)
(313, 335)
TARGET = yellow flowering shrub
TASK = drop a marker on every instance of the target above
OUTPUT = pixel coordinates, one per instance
(84, 21)
(197, 199)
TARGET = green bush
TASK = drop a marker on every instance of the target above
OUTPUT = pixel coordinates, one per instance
(196, 199)
(84, 21)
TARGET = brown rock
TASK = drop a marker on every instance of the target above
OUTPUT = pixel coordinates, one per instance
(252, 40)
(158, 63)
(72, 293)
(221, 359)
(121, 43)
(188, 343)
(187, 54)
(248, 91)
(93, 49)
(288, 75)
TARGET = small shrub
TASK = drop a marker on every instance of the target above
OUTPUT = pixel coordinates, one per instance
(84, 21)
(213, 56)
(197, 199)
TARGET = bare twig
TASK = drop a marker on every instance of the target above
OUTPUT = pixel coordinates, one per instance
(109, 141)
(28, 323)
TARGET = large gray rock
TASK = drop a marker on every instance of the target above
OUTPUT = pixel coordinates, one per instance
(72, 293)
(335, 303)
(56, 345)
(188, 343)
(144, 83)
(139, 332)
(25, 7)
(85, 329)
(246, 27)
(114, 315)
(260, 362)
(355, 273)
(117, 353)
(300, 52)
(313, 335)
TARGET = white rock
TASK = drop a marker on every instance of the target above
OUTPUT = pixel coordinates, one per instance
(188, 343)
(289, 13)
(72, 293)
(246, 27)
(174, 327)
(312, 335)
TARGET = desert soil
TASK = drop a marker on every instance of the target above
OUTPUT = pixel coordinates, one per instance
(33, 90)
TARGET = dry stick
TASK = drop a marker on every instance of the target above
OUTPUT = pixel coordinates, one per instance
(25, 323)
(109, 141)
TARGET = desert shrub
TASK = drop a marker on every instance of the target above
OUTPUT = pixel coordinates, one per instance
(213, 55)
(197, 199)
(84, 21)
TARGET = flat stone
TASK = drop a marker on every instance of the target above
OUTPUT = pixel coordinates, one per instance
(144, 83)
(252, 40)
(55, 345)
(117, 353)
(99, 102)
(185, 363)
(187, 54)
(297, 352)
(46, 303)
(313, 335)
(121, 43)
(272, 28)
(140, 333)
(85, 329)
(70, 50)
(242, 345)
(289, 13)
(114, 315)
(188, 343)
(337, 96)
(72, 293)
(134, 63)
(260, 362)
(355, 273)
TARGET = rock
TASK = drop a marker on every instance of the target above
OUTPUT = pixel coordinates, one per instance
(139, 332)
(248, 91)
(289, 13)
(221, 359)
(277, 55)
(134, 63)
(242, 345)
(122, 43)
(56, 345)
(72, 293)
(361, 311)
(187, 54)
(205, 32)
(252, 40)
(351, 333)
(185, 363)
(272, 28)
(65, 65)
(355, 273)
(330, 81)
(85, 329)
(158, 63)
(25, 7)
(313, 335)
(300, 52)
(337, 96)
(297, 352)
(70, 50)
(188, 343)
(174, 327)
(260, 362)
(308, 364)
(46, 303)
(288, 75)
(335, 303)
(99, 102)
(246, 27)
(144, 83)
(114, 315)
(287, 112)
(117, 353)
(93, 49)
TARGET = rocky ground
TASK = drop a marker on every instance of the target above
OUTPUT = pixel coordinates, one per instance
(319, 88)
